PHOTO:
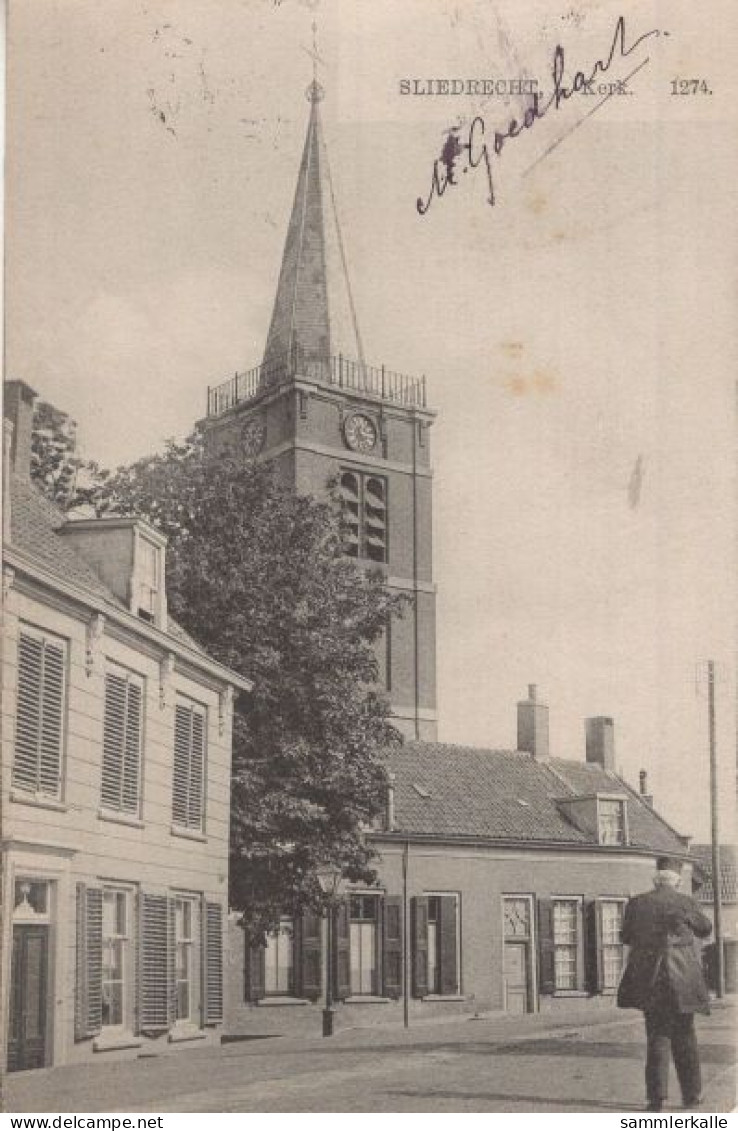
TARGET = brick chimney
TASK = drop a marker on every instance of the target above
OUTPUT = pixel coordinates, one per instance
(646, 797)
(7, 446)
(600, 733)
(18, 409)
(390, 815)
(533, 725)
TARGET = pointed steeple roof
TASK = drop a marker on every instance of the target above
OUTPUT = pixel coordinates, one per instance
(313, 316)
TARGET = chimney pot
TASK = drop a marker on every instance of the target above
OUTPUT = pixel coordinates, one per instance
(646, 797)
(533, 724)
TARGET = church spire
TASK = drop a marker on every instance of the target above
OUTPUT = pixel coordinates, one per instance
(314, 315)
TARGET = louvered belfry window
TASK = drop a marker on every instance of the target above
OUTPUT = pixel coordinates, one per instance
(364, 502)
(189, 765)
(39, 728)
(122, 731)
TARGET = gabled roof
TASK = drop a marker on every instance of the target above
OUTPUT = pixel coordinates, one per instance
(34, 526)
(313, 311)
(728, 872)
(448, 791)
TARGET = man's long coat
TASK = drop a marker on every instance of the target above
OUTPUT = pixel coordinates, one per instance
(660, 927)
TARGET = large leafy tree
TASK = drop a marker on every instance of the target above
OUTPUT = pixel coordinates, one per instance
(56, 468)
(257, 575)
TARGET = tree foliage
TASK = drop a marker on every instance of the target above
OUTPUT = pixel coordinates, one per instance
(56, 469)
(256, 574)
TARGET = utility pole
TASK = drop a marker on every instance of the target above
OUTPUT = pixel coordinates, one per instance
(716, 877)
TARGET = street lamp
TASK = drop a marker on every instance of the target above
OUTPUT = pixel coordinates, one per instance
(331, 884)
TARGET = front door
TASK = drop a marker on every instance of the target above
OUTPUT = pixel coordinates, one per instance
(517, 997)
(28, 987)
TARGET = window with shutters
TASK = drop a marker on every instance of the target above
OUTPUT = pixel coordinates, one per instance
(567, 943)
(611, 821)
(122, 742)
(188, 797)
(279, 960)
(364, 944)
(611, 926)
(184, 914)
(115, 947)
(364, 504)
(39, 724)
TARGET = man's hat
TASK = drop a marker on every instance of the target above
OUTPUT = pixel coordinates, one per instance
(668, 864)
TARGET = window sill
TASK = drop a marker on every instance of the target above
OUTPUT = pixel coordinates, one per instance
(367, 999)
(279, 1002)
(444, 997)
(119, 818)
(185, 1032)
(40, 800)
(571, 993)
(120, 1039)
(188, 834)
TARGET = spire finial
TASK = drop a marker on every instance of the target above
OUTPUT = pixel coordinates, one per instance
(315, 92)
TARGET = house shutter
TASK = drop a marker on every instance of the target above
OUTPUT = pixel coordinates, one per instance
(39, 715)
(172, 960)
(155, 965)
(392, 946)
(121, 743)
(214, 965)
(419, 914)
(88, 963)
(448, 909)
(189, 766)
(546, 956)
(254, 972)
(593, 971)
(342, 950)
(197, 764)
(309, 955)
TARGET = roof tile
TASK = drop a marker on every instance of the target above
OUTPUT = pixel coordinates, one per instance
(450, 791)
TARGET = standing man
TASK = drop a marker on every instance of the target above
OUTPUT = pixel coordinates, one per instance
(664, 978)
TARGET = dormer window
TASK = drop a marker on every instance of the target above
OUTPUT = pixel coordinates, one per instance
(148, 598)
(149, 580)
(128, 556)
(611, 821)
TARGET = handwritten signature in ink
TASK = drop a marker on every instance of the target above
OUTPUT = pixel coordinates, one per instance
(446, 167)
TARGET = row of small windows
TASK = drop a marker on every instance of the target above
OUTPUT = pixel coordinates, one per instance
(37, 764)
(364, 503)
(578, 943)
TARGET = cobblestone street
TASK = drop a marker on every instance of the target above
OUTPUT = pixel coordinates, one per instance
(576, 1064)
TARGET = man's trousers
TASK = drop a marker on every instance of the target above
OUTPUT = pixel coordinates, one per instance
(670, 1032)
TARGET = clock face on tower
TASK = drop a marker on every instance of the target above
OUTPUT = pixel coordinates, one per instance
(359, 431)
(252, 436)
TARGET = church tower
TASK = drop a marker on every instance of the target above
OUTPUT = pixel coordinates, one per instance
(320, 412)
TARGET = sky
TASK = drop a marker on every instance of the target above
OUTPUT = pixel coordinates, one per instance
(578, 338)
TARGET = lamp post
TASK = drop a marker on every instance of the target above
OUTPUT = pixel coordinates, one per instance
(331, 884)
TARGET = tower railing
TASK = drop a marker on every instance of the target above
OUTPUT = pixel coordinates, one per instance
(333, 370)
